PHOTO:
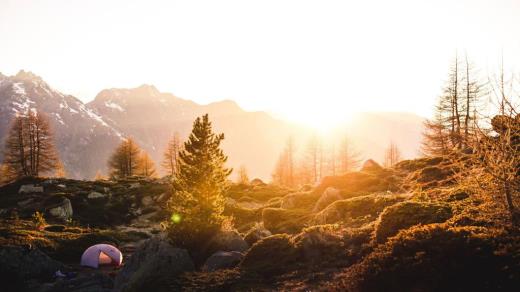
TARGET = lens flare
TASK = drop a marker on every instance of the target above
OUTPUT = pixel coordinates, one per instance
(176, 218)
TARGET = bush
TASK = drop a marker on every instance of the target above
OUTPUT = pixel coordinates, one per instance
(279, 220)
(356, 211)
(408, 214)
(271, 256)
(435, 258)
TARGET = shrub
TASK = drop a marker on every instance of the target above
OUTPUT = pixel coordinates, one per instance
(279, 220)
(270, 256)
(39, 220)
(408, 214)
(435, 258)
(356, 211)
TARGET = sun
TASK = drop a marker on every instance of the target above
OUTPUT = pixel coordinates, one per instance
(322, 120)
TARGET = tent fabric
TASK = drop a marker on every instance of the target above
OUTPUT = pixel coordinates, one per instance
(101, 254)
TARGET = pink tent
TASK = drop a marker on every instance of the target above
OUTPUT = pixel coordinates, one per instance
(101, 254)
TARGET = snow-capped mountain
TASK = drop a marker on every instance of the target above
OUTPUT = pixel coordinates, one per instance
(151, 117)
(83, 139)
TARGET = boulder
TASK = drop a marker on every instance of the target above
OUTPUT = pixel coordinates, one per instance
(135, 185)
(257, 233)
(62, 210)
(146, 201)
(329, 196)
(371, 165)
(96, 195)
(154, 261)
(230, 201)
(163, 197)
(320, 242)
(92, 282)
(407, 214)
(27, 189)
(229, 241)
(23, 264)
(222, 260)
(300, 200)
(26, 203)
(257, 182)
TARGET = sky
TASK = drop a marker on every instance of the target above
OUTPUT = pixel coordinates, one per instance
(315, 62)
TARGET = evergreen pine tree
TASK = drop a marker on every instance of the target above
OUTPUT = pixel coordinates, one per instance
(197, 202)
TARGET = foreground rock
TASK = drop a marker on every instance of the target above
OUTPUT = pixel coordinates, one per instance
(222, 260)
(94, 282)
(153, 263)
(329, 196)
(257, 233)
(229, 241)
(28, 189)
(18, 265)
(62, 210)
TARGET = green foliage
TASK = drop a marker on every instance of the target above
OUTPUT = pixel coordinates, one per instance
(39, 220)
(199, 186)
(407, 214)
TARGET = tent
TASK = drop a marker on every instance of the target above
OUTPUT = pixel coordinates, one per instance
(101, 254)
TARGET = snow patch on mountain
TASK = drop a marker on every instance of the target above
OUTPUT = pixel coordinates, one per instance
(114, 105)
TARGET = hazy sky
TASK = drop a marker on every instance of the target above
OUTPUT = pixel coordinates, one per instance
(306, 60)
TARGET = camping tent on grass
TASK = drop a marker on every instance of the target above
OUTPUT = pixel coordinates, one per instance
(101, 254)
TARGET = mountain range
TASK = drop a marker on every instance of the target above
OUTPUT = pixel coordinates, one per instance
(87, 133)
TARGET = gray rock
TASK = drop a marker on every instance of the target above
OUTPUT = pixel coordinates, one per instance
(229, 241)
(27, 263)
(25, 203)
(135, 185)
(96, 195)
(257, 182)
(154, 259)
(222, 260)
(62, 210)
(329, 196)
(48, 182)
(163, 197)
(146, 201)
(256, 233)
(27, 189)
(92, 282)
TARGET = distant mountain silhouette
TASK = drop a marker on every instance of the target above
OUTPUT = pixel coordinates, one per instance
(86, 134)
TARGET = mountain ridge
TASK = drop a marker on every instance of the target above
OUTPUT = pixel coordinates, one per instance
(87, 133)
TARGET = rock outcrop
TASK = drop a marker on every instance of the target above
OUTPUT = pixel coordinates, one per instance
(222, 260)
(154, 261)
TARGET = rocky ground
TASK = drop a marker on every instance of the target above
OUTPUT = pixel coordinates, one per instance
(414, 227)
